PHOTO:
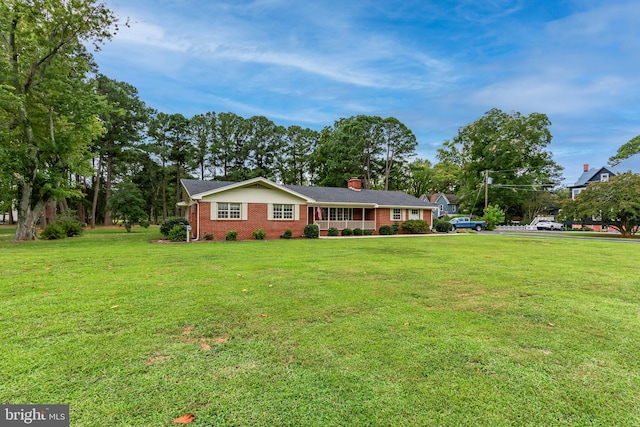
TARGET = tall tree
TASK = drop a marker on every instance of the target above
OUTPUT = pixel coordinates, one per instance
(230, 147)
(296, 160)
(508, 148)
(421, 178)
(124, 122)
(351, 148)
(180, 150)
(399, 145)
(43, 57)
(173, 145)
(264, 146)
(202, 127)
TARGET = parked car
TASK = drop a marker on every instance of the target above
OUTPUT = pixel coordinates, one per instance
(549, 225)
(465, 222)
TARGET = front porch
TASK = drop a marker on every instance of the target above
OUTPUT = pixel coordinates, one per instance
(341, 225)
(341, 218)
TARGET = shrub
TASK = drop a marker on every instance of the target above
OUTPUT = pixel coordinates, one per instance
(53, 232)
(357, 231)
(493, 216)
(169, 223)
(287, 234)
(208, 236)
(332, 231)
(72, 229)
(347, 232)
(144, 223)
(311, 231)
(70, 223)
(395, 227)
(231, 235)
(367, 232)
(178, 233)
(415, 226)
(386, 230)
(259, 234)
(442, 226)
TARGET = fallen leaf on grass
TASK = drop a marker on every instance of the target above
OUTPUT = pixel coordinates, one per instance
(44, 294)
(115, 306)
(406, 323)
(185, 419)
(264, 315)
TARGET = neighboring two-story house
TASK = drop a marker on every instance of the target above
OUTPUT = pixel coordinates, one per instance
(446, 204)
(588, 176)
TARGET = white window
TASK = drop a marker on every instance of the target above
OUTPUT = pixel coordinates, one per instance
(415, 214)
(575, 192)
(282, 211)
(604, 177)
(396, 214)
(453, 208)
(337, 214)
(229, 210)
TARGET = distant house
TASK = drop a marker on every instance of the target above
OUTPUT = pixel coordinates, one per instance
(446, 204)
(217, 207)
(588, 176)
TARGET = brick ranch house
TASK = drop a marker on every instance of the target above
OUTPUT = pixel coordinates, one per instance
(217, 207)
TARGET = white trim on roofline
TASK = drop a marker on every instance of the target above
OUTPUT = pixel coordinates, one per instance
(252, 181)
(433, 208)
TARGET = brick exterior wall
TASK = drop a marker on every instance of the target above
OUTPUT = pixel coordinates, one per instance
(383, 217)
(257, 218)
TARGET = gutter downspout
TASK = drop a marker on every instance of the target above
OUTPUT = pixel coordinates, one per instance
(197, 222)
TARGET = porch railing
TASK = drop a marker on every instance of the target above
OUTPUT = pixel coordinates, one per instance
(340, 225)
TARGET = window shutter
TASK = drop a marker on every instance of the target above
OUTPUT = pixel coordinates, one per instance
(213, 211)
(296, 212)
(270, 212)
(244, 211)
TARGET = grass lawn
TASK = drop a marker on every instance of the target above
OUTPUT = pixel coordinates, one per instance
(459, 330)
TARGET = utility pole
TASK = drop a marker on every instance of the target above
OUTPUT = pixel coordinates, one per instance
(486, 188)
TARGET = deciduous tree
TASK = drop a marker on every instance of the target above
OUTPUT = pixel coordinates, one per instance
(627, 150)
(45, 64)
(512, 149)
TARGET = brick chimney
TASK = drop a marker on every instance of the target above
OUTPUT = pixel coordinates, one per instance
(354, 184)
(586, 167)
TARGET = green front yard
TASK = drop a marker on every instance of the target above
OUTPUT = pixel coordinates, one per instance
(453, 330)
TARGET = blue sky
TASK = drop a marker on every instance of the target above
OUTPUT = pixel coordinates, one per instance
(434, 65)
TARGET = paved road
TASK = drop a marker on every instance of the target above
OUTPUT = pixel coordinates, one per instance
(566, 235)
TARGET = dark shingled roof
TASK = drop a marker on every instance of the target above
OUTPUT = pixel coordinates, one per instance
(195, 186)
(324, 194)
(588, 175)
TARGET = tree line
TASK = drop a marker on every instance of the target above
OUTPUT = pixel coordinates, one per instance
(71, 138)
